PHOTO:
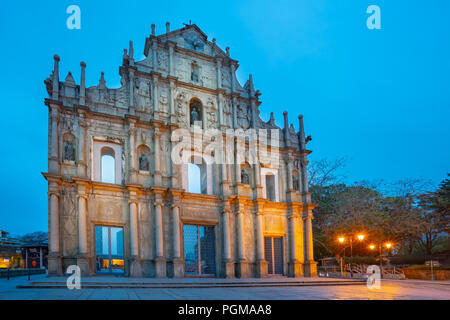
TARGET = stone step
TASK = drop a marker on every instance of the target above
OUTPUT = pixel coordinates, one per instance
(158, 285)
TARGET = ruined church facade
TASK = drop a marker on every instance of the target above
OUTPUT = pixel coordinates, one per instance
(142, 218)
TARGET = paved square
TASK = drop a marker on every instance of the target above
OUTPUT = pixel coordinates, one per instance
(405, 290)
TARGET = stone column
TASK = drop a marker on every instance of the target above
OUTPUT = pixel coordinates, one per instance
(53, 207)
(234, 106)
(176, 232)
(133, 167)
(227, 265)
(160, 261)
(83, 252)
(54, 258)
(219, 72)
(155, 94)
(154, 52)
(81, 165)
(82, 225)
(157, 175)
(131, 93)
(289, 184)
(240, 234)
(134, 236)
(171, 65)
(173, 118)
(53, 163)
(261, 263)
(242, 267)
(310, 264)
(220, 109)
(295, 265)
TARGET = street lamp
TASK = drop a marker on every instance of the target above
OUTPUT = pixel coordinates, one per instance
(341, 240)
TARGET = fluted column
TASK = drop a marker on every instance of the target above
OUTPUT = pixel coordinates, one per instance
(159, 230)
(171, 65)
(176, 232)
(289, 183)
(259, 236)
(53, 207)
(155, 93)
(173, 118)
(157, 176)
(240, 234)
(134, 239)
(133, 166)
(226, 235)
(81, 146)
(82, 225)
(53, 165)
(309, 239)
(292, 253)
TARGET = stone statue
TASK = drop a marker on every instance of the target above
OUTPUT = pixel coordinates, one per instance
(194, 74)
(244, 177)
(295, 183)
(194, 115)
(69, 151)
(143, 163)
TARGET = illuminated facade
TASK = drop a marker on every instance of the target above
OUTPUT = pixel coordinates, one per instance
(119, 203)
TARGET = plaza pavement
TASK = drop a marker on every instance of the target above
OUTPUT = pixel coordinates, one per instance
(390, 290)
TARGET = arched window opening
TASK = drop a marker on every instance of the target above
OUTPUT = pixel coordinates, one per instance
(194, 178)
(270, 187)
(108, 165)
(195, 111)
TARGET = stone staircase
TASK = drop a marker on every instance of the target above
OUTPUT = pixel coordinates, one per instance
(149, 283)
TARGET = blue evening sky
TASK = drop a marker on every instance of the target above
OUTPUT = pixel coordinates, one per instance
(379, 97)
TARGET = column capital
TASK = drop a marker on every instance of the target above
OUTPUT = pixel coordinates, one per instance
(53, 193)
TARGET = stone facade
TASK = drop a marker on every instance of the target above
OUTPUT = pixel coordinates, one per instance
(149, 196)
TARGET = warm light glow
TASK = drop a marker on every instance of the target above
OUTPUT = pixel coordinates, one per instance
(360, 237)
(388, 245)
(372, 246)
(341, 239)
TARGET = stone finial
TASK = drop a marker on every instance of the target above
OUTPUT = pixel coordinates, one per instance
(69, 78)
(167, 27)
(227, 49)
(102, 82)
(131, 50)
(153, 29)
(82, 84)
(286, 120)
(55, 81)
(214, 40)
(301, 132)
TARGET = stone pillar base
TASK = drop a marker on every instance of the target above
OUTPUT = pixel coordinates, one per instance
(157, 178)
(136, 268)
(310, 268)
(295, 269)
(228, 270)
(242, 269)
(259, 192)
(261, 268)
(175, 268)
(160, 267)
(54, 265)
(226, 189)
(83, 263)
(293, 196)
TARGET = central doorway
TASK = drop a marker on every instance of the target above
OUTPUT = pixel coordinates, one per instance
(199, 250)
(273, 249)
(109, 249)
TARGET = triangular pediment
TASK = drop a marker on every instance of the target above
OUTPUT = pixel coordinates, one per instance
(191, 37)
